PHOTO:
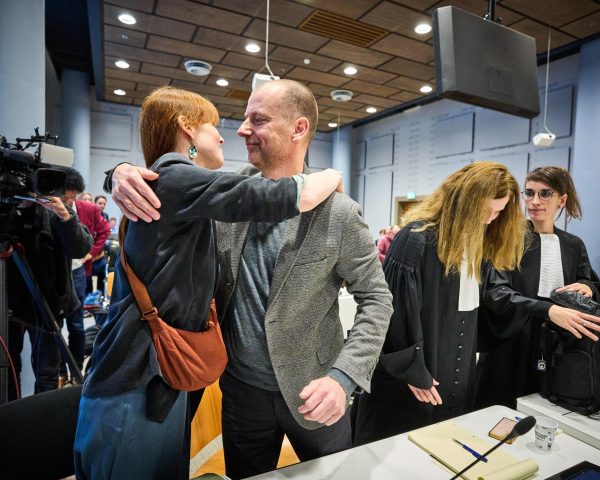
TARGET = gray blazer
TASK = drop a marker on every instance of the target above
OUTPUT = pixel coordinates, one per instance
(320, 249)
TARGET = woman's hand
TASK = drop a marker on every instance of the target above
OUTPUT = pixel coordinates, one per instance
(574, 321)
(428, 396)
(582, 288)
(132, 194)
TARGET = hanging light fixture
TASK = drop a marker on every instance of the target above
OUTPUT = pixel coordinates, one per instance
(260, 78)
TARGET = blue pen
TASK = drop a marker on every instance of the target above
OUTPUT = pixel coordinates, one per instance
(471, 451)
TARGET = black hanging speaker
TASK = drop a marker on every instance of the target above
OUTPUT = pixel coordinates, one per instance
(483, 63)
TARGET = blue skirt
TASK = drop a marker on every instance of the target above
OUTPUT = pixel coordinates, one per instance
(115, 440)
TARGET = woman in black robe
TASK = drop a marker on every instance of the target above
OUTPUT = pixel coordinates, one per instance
(433, 268)
(516, 303)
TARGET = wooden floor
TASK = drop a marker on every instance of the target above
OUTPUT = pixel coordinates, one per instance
(206, 452)
(216, 463)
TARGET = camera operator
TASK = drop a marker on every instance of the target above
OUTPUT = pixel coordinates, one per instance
(90, 216)
(50, 236)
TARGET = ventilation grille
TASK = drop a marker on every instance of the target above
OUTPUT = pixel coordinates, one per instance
(238, 94)
(342, 28)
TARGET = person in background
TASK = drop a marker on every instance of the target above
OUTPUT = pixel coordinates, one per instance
(518, 302)
(113, 225)
(86, 197)
(384, 242)
(100, 202)
(89, 215)
(50, 235)
(289, 371)
(132, 424)
(434, 267)
(382, 233)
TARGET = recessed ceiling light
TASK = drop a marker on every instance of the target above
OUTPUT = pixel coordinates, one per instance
(119, 92)
(425, 89)
(332, 124)
(253, 47)
(127, 19)
(350, 70)
(221, 82)
(307, 61)
(423, 28)
(371, 109)
(122, 64)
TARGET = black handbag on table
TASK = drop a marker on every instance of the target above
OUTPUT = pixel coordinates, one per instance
(570, 367)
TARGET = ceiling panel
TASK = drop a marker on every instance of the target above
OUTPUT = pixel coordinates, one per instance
(359, 55)
(283, 11)
(396, 18)
(203, 15)
(151, 23)
(391, 70)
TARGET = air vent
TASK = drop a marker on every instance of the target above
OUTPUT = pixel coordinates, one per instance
(238, 94)
(342, 28)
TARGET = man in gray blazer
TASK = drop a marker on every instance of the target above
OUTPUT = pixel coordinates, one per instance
(289, 370)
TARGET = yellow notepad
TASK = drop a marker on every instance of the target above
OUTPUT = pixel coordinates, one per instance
(437, 441)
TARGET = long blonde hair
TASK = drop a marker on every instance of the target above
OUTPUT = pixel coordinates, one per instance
(458, 210)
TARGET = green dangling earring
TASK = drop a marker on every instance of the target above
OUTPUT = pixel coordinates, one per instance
(192, 152)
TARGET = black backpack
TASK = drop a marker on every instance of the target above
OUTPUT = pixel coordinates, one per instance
(570, 367)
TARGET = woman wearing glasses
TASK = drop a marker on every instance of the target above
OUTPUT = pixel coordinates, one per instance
(517, 302)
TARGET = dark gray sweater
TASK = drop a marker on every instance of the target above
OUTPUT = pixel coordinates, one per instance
(175, 258)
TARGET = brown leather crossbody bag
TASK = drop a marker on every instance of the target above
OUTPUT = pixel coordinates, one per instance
(188, 360)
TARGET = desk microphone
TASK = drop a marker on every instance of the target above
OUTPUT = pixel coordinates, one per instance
(522, 427)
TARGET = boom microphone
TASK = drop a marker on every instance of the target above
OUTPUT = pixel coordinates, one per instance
(521, 428)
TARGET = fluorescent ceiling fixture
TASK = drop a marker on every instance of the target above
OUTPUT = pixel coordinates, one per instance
(122, 64)
(423, 28)
(119, 92)
(425, 89)
(371, 109)
(350, 70)
(332, 124)
(127, 19)
(221, 82)
(252, 48)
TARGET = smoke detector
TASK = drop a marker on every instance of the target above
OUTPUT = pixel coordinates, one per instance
(341, 95)
(197, 67)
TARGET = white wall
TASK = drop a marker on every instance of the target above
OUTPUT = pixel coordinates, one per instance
(415, 150)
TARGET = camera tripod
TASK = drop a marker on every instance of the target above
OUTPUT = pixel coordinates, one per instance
(49, 321)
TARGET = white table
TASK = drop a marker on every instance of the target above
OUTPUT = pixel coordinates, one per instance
(579, 426)
(397, 458)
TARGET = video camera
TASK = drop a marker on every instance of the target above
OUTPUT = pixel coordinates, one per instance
(28, 175)
(23, 172)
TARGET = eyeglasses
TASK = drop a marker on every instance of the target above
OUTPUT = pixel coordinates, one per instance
(543, 195)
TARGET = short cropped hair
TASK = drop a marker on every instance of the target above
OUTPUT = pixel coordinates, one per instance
(298, 101)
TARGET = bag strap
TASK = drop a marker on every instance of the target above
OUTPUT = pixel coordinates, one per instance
(140, 292)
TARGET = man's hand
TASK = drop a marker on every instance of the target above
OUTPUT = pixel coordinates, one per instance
(133, 195)
(324, 401)
(582, 288)
(427, 395)
(575, 321)
(86, 258)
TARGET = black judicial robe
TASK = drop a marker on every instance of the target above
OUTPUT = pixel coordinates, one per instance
(428, 338)
(511, 317)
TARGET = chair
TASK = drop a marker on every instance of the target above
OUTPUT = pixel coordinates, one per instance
(37, 434)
